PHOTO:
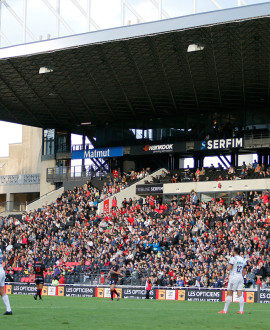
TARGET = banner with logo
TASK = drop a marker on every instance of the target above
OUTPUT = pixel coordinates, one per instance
(265, 296)
(79, 291)
(136, 293)
(219, 144)
(157, 148)
(131, 292)
(146, 189)
(97, 153)
(203, 295)
(106, 206)
(24, 289)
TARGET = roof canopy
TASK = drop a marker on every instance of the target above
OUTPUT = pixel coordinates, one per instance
(135, 74)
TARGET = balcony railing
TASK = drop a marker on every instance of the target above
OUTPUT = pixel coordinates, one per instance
(71, 173)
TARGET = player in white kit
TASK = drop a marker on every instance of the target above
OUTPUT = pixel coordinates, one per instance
(2, 287)
(237, 270)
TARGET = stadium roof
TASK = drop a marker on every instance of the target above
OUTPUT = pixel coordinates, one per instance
(130, 75)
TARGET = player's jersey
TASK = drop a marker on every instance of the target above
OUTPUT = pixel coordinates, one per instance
(1, 259)
(113, 275)
(238, 263)
(39, 268)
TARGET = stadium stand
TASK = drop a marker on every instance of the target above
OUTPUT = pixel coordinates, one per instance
(186, 242)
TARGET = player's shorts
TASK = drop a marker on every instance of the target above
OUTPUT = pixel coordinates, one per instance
(39, 281)
(2, 277)
(236, 283)
(113, 281)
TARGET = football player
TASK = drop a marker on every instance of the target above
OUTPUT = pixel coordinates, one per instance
(2, 287)
(114, 274)
(38, 270)
(237, 269)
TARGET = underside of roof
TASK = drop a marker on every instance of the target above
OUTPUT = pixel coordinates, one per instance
(143, 76)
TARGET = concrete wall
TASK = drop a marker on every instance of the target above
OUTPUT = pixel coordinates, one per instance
(129, 192)
(46, 187)
(212, 186)
(25, 157)
(19, 188)
(47, 199)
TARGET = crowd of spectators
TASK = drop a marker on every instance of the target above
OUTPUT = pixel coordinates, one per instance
(219, 173)
(186, 242)
(120, 182)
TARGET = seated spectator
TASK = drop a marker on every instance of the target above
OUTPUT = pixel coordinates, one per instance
(62, 280)
(231, 170)
(257, 168)
(55, 281)
(202, 171)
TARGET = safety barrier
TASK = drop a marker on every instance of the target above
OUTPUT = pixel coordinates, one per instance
(131, 292)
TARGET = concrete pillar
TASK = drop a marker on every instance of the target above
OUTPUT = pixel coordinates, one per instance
(10, 202)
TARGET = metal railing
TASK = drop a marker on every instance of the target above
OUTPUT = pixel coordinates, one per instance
(71, 173)
(254, 135)
(20, 179)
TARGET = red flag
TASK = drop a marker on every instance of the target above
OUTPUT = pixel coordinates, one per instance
(106, 206)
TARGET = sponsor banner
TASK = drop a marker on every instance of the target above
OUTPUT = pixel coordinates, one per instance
(157, 148)
(45, 290)
(8, 289)
(146, 189)
(136, 293)
(189, 294)
(220, 144)
(249, 297)
(170, 294)
(97, 153)
(203, 295)
(79, 291)
(99, 292)
(24, 289)
(161, 294)
(51, 291)
(106, 206)
(181, 295)
(107, 293)
(119, 291)
(265, 297)
(60, 291)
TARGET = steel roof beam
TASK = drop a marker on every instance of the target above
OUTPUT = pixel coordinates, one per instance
(81, 97)
(85, 14)
(215, 66)
(178, 41)
(162, 70)
(139, 75)
(19, 20)
(7, 110)
(33, 91)
(61, 99)
(91, 77)
(20, 100)
(59, 17)
(107, 61)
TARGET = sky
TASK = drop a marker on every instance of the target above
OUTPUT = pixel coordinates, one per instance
(106, 13)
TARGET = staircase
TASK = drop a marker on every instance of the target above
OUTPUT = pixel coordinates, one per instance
(129, 192)
(45, 199)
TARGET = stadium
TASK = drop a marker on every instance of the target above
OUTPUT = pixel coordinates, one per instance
(144, 161)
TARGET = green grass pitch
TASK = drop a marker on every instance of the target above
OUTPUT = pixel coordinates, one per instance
(96, 313)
